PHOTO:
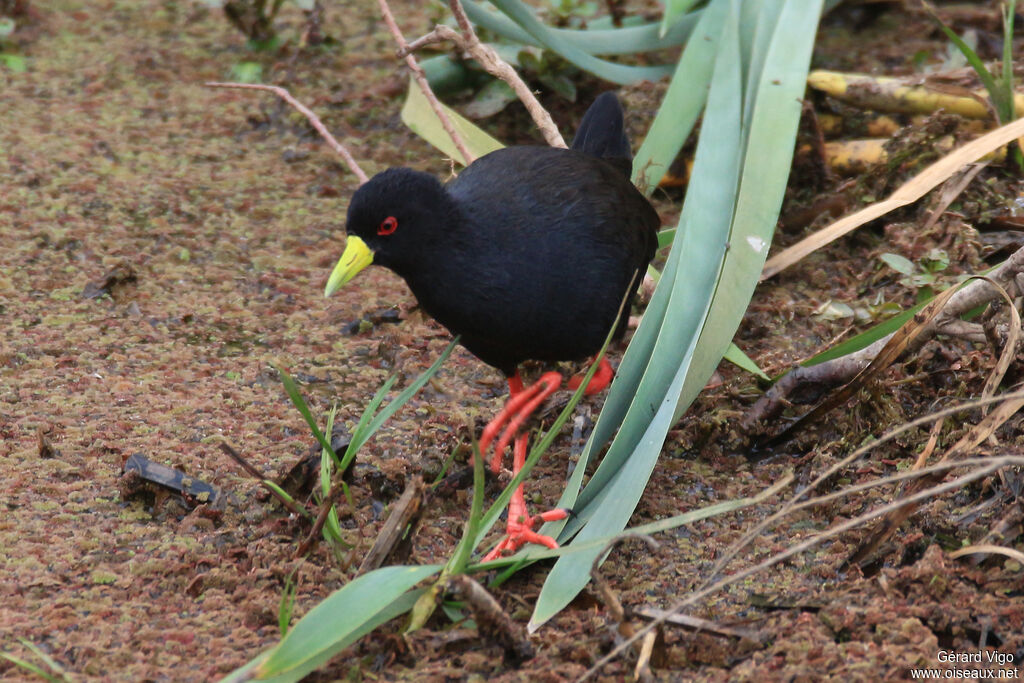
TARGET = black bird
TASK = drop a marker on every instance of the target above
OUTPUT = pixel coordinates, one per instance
(526, 254)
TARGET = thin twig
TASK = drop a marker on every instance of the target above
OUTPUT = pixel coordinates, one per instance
(258, 476)
(499, 68)
(313, 119)
(318, 525)
(793, 505)
(991, 465)
(491, 620)
(421, 81)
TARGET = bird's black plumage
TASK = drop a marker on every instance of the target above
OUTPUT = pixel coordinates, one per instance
(528, 252)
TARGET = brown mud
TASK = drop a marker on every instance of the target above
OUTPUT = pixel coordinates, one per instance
(218, 215)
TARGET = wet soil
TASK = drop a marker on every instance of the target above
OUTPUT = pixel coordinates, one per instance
(163, 245)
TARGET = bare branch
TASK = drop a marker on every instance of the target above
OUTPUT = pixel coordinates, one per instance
(818, 379)
(421, 81)
(313, 119)
(499, 68)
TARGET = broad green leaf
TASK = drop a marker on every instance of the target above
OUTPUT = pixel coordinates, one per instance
(765, 143)
(674, 10)
(634, 362)
(610, 71)
(768, 155)
(418, 115)
(703, 226)
(342, 618)
(610, 497)
(665, 237)
(247, 72)
(682, 103)
(594, 41)
(901, 264)
(15, 63)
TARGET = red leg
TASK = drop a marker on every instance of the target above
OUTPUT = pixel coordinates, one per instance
(520, 406)
(601, 379)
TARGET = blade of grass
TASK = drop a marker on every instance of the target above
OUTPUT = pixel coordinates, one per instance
(459, 561)
(460, 558)
(369, 422)
(281, 493)
(1002, 105)
(407, 393)
(735, 355)
(29, 666)
(293, 393)
(287, 604)
(1006, 78)
(361, 433)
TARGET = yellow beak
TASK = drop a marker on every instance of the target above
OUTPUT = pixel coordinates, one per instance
(356, 257)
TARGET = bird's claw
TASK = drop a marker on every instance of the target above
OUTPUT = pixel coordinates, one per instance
(520, 532)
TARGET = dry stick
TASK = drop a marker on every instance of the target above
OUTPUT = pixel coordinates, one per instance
(263, 481)
(841, 370)
(898, 342)
(313, 119)
(642, 672)
(969, 441)
(604, 589)
(953, 188)
(318, 525)
(907, 193)
(1009, 353)
(696, 624)
(792, 504)
(494, 65)
(403, 513)
(993, 465)
(421, 81)
(490, 618)
(989, 549)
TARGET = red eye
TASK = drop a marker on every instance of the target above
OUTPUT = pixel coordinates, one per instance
(388, 226)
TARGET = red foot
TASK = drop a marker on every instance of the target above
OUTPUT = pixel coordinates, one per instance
(520, 526)
(601, 379)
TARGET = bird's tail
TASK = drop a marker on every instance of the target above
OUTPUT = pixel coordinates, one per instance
(602, 132)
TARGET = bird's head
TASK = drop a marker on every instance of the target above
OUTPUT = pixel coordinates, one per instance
(391, 220)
